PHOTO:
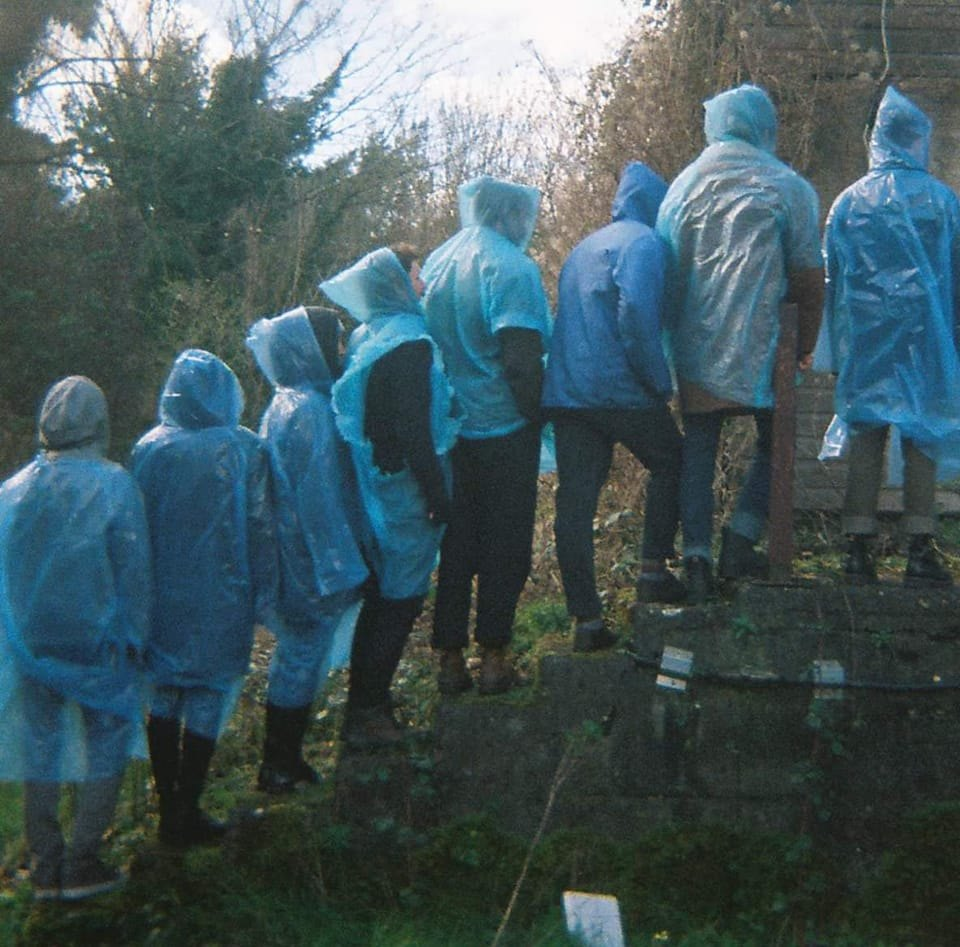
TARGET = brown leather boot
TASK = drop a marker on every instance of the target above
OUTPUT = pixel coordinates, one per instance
(497, 673)
(453, 677)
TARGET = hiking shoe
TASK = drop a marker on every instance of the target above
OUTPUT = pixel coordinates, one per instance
(453, 677)
(593, 635)
(858, 566)
(663, 588)
(497, 673)
(371, 728)
(89, 879)
(699, 576)
(739, 559)
(925, 565)
(276, 779)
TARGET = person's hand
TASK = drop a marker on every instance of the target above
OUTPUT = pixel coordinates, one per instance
(805, 362)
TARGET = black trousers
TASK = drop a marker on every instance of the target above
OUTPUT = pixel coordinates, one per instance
(489, 536)
(383, 627)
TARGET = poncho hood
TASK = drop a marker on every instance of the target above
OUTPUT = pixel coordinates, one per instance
(742, 114)
(201, 391)
(287, 351)
(639, 195)
(901, 134)
(376, 285)
(510, 209)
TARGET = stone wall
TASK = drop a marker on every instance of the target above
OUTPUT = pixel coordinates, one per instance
(752, 741)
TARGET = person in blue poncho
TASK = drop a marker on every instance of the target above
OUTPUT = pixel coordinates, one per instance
(318, 531)
(487, 310)
(205, 482)
(394, 409)
(742, 230)
(75, 594)
(892, 248)
(608, 382)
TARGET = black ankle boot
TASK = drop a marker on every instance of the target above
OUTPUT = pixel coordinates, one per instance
(859, 567)
(925, 566)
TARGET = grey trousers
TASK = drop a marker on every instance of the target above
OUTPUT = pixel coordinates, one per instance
(50, 856)
(865, 477)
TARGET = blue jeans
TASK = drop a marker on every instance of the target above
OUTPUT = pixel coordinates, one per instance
(585, 439)
(700, 443)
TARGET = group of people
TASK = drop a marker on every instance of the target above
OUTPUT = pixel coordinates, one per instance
(417, 441)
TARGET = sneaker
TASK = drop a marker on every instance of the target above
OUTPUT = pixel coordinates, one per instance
(739, 559)
(90, 879)
(453, 677)
(497, 674)
(593, 635)
(699, 576)
(371, 728)
(859, 567)
(663, 588)
(925, 566)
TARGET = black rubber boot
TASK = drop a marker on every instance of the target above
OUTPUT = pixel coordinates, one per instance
(163, 738)
(925, 566)
(859, 567)
(283, 766)
(196, 827)
(739, 559)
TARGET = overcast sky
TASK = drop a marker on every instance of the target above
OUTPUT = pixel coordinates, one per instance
(570, 35)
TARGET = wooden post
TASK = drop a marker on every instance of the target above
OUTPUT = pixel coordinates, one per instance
(780, 533)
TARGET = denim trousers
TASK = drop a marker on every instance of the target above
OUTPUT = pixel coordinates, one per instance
(585, 441)
(701, 441)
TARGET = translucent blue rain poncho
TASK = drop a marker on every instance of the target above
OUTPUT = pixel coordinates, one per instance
(205, 482)
(479, 282)
(318, 519)
(607, 350)
(75, 593)
(737, 221)
(892, 302)
(404, 543)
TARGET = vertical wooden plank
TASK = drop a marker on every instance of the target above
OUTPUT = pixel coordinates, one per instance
(780, 535)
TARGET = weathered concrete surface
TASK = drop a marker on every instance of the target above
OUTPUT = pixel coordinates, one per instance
(752, 740)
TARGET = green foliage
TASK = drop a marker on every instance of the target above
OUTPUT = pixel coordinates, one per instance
(915, 895)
